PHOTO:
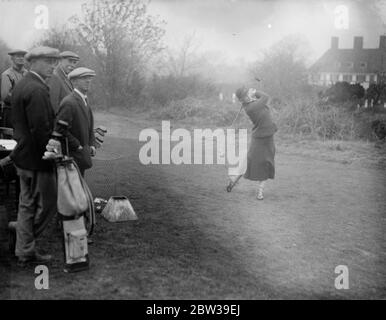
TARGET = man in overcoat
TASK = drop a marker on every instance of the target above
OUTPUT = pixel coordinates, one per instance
(33, 122)
(76, 111)
(9, 79)
(60, 85)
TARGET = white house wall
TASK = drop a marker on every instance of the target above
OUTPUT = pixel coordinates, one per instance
(327, 78)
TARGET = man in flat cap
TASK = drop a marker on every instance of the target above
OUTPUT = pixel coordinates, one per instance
(60, 85)
(9, 78)
(76, 111)
(33, 122)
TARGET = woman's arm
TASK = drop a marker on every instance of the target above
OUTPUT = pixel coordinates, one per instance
(262, 97)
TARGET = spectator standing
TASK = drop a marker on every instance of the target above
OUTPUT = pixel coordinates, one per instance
(76, 111)
(60, 85)
(33, 120)
(9, 79)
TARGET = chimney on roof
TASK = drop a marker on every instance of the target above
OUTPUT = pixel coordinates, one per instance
(334, 43)
(358, 43)
(382, 42)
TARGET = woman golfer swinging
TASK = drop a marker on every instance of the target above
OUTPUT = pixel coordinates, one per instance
(261, 152)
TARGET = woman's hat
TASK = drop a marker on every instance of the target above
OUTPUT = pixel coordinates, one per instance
(241, 92)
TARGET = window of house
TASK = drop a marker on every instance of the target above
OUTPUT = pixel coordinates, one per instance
(347, 78)
(334, 77)
(371, 78)
(348, 65)
(363, 65)
(361, 78)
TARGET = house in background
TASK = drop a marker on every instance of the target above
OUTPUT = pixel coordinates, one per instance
(356, 65)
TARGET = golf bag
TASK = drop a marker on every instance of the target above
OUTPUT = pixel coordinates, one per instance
(76, 210)
(75, 207)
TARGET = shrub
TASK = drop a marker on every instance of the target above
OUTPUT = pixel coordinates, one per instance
(307, 117)
(376, 92)
(379, 128)
(343, 91)
(210, 112)
(164, 89)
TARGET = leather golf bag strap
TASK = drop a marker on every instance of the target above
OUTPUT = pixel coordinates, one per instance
(91, 207)
(90, 201)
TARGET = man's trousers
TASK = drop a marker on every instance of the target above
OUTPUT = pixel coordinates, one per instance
(37, 206)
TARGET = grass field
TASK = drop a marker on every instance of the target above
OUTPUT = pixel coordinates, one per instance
(193, 240)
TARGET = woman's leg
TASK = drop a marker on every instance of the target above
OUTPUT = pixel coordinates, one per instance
(260, 190)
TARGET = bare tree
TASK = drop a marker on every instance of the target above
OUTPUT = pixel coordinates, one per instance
(283, 67)
(123, 37)
(184, 60)
(4, 58)
(60, 37)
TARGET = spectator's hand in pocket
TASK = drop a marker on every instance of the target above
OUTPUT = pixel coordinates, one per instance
(92, 151)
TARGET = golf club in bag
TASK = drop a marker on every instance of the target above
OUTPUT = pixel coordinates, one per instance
(75, 204)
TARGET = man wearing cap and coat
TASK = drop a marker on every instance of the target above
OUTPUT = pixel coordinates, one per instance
(76, 111)
(33, 121)
(60, 85)
(9, 79)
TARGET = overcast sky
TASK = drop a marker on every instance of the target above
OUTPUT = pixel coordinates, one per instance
(239, 29)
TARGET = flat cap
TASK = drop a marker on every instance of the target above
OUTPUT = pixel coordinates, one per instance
(17, 52)
(42, 52)
(69, 55)
(81, 72)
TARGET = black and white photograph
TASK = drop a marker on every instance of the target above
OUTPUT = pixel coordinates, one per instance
(215, 151)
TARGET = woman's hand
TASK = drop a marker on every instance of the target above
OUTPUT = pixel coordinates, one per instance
(259, 94)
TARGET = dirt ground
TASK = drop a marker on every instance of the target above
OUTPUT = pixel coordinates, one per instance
(193, 240)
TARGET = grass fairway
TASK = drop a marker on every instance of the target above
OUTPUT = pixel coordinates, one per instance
(193, 240)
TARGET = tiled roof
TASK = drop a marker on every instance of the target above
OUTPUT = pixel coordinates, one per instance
(338, 60)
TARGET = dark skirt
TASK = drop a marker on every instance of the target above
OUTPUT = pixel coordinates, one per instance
(261, 159)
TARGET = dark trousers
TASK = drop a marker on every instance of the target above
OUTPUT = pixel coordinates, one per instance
(37, 206)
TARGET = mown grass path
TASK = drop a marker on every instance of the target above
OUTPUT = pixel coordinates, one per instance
(193, 240)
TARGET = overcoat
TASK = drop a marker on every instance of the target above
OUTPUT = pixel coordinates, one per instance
(9, 79)
(60, 86)
(80, 118)
(33, 121)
